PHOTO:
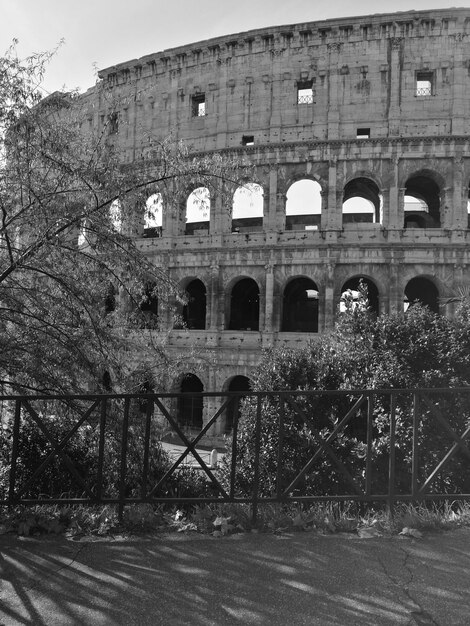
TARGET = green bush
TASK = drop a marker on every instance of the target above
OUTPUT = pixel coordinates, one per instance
(418, 349)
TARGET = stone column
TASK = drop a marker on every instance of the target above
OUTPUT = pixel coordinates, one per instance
(326, 313)
(214, 299)
(459, 197)
(392, 210)
(331, 218)
(275, 214)
(334, 50)
(394, 87)
(269, 304)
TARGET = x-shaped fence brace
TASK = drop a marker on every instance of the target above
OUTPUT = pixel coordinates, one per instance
(325, 445)
(459, 443)
(57, 449)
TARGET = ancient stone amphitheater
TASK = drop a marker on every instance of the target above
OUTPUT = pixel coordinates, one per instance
(359, 133)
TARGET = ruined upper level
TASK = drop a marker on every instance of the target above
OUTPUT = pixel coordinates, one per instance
(380, 76)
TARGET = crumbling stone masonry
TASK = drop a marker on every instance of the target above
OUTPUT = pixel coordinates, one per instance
(365, 119)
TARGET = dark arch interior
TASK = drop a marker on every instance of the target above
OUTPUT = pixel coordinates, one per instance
(425, 189)
(362, 188)
(194, 312)
(190, 407)
(244, 305)
(424, 291)
(372, 291)
(238, 383)
(300, 306)
(149, 300)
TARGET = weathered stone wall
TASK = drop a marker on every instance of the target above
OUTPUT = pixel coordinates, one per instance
(363, 73)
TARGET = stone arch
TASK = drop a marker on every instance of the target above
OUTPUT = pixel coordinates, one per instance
(421, 289)
(352, 285)
(153, 215)
(422, 200)
(248, 207)
(237, 383)
(190, 405)
(303, 205)
(197, 211)
(244, 305)
(362, 201)
(194, 311)
(300, 306)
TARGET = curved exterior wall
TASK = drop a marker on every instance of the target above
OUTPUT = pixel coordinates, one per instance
(363, 74)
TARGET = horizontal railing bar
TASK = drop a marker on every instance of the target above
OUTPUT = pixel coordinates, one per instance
(254, 394)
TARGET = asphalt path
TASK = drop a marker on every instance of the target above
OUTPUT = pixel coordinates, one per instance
(298, 578)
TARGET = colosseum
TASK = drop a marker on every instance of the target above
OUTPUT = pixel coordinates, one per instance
(358, 133)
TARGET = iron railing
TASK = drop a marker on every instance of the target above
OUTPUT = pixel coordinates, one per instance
(290, 446)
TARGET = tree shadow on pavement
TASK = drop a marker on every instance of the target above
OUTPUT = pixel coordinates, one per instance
(302, 578)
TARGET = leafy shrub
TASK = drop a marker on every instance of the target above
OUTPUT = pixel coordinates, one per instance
(418, 349)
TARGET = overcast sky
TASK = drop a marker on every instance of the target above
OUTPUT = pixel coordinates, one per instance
(101, 33)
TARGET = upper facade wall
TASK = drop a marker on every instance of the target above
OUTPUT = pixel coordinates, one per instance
(363, 73)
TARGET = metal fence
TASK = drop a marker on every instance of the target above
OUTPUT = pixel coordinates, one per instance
(291, 446)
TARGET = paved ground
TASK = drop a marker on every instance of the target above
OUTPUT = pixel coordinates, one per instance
(295, 579)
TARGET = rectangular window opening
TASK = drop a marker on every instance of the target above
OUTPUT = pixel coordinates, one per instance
(305, 92)
(248, 140)
(424, 83)
(363, 133)
(199, 105)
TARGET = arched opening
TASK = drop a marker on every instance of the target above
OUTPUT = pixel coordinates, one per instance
(421, 290)
(238, 383)
(194, 311)
(352, 287)
(244, 305)
(303, 205)
(300, 306)
(115, 215)
(362, 202)
(153, 216)
(190, 406)
(422, 203)
(198, 207)
(110, 299)
(248, 208)
(149, 306)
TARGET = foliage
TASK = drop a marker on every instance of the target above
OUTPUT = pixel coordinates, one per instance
(418, 349)
(72, 278)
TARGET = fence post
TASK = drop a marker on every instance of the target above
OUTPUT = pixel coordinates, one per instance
(257, 451)
(14, 452)
(415, 453)
(280, 447)
(122, 476)
(391, 465)
(145, 464)
(99, 478)
(233, 465)
(370, 434)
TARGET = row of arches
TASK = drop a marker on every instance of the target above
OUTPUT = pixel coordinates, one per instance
(190, 405)
(300, 303)
(362, 201)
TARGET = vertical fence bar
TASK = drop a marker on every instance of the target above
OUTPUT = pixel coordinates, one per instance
(99, 477)
(370, 422)
(256, 461)
(391, 465)
(280, 447)
(122, 476)
(145, 464)
(233, 464)
(14, 452)
(415, 454)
